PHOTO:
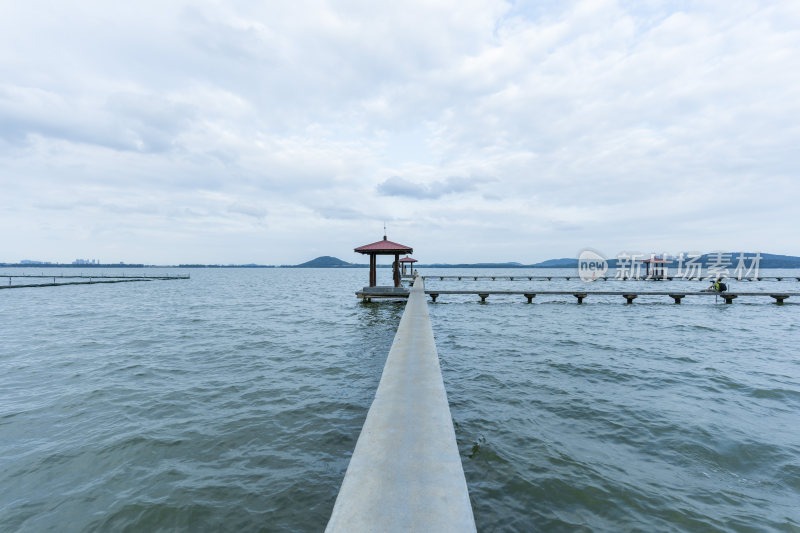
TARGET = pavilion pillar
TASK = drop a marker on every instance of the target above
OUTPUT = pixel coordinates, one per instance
(396, 270)
(373, 278)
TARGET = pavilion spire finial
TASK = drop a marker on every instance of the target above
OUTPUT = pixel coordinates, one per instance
(384, 230)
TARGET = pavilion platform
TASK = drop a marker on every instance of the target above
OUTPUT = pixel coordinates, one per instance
(368, 293)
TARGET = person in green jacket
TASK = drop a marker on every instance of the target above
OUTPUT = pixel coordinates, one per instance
(718, 286)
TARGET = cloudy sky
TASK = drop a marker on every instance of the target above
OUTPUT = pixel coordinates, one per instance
(478, 130)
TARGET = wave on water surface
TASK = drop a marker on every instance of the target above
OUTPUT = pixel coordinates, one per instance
(232, 401)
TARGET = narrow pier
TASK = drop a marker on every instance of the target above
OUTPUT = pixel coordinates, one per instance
(405, 474)
(629, 295)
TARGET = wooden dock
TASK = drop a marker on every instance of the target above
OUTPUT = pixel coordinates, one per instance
(630, 296)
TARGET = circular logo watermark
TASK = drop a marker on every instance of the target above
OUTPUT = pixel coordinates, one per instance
(591, 265)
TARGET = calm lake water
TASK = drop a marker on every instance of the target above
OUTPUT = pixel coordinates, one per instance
(232, 402)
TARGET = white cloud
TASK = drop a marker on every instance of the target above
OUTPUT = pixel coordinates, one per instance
(558, 125)
(399, 186)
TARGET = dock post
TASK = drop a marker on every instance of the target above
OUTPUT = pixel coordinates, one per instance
(405, 474)
(530, 297)
(629, 298)
(677, 297)
(728, 298)
(779, 298)
(434, 296)
(483, 297)
(580, 297)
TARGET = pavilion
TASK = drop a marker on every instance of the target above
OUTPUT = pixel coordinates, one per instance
(657, 264)
(384, 247)
(407, 261)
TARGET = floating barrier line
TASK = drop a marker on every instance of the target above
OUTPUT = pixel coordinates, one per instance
(82, 276)
(405, 474)
(62, 283)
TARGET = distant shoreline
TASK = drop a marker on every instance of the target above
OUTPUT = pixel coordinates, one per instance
(767, 261)
(467, 266)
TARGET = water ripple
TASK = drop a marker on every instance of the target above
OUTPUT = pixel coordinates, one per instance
(233, 401)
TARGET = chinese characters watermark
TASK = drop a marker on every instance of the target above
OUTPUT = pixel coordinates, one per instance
(592, 265)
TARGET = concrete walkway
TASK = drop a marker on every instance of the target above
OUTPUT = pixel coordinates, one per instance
(405, 474)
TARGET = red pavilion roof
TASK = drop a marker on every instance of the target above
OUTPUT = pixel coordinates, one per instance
(384, 247)
(407, 260)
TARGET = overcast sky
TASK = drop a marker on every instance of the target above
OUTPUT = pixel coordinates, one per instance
(479, 130)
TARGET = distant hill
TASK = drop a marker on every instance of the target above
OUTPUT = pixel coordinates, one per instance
(767, 261)
(473, 265)
(564, 262)
(776, 261)
(325, 261)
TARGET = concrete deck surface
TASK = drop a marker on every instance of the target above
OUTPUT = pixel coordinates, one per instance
(405, 474)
